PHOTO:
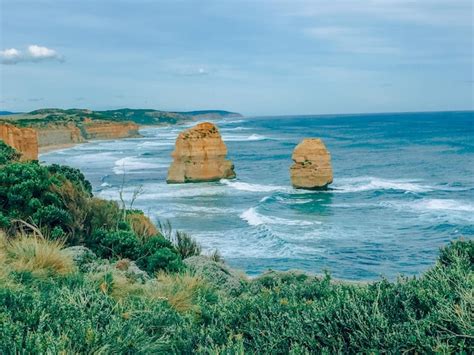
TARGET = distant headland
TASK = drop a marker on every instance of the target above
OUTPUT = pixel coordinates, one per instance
(53, 128)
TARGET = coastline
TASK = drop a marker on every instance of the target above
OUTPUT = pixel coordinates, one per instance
(55, 147)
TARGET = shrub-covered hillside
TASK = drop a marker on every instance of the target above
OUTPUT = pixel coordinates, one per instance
(83, 275)
(140, 116)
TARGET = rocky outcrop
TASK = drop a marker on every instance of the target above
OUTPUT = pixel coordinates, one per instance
(25, 140)
(312, 168)
(216, 274)
(200, 155)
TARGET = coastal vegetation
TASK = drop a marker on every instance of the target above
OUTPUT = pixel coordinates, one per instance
(79, 274)
(47, 116)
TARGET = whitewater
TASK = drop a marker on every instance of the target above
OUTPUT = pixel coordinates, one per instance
(403, 187)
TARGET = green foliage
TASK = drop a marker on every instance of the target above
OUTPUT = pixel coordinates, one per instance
(186, 245)
(73, 175)
(73, 315)
(153, 254)
(162, 259)
(31, 192)
(278, 313)
(115, 244)
(7, 153)
(102, 214)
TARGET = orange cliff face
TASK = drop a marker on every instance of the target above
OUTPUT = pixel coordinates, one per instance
(25, 140)
(64, 134)
(110, 130)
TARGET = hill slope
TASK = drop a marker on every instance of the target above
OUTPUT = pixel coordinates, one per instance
(139, 116)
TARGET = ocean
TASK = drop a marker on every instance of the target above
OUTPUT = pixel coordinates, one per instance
(403, 187)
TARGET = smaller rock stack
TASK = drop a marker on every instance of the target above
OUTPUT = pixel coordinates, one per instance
(312, 168)
(200, 155)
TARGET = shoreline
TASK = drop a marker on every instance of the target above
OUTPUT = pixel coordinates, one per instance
(55, 147)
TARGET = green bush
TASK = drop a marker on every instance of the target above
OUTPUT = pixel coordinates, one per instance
(29, 191)
(162, 259)
(73, 175)
(155, 254)
(115, 244)
(7, 153)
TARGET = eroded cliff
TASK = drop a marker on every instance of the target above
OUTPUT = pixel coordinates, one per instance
(25, 140)
(57, 134)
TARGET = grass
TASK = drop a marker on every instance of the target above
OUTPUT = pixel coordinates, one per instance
(181, 291)
(37, 255)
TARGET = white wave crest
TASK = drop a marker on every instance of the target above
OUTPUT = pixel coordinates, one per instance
(241, 138)
(450, 210)
(134, 164)
(435, 204)
(148, 144)
(369, 183)
(244, 186)
(253, 218)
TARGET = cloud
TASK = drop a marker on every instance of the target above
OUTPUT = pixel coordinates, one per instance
(33, 53)
(10, 56)
(352, 40)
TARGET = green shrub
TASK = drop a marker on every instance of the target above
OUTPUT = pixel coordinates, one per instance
(101, 214)
(186, 245)
(29, 191)
(74, 175)
(162, 259)
(115, 244)
(7, 153)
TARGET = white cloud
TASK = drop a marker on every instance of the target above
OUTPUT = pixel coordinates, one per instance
(10, 56)
(39, 52)
(33, 53)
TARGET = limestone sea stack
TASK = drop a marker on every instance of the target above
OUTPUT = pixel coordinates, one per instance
(200, 155)
(312, 168)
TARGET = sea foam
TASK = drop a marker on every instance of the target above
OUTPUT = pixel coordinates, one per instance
(244, 186)
(253, 218)
(134, 164)
(360, 184)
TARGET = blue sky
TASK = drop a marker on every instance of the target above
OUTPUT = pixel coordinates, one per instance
(254, 57)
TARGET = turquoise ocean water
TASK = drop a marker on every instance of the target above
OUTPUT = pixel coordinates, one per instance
(403, 187)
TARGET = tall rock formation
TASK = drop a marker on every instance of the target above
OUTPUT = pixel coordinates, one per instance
(199, 156)
(312, 168)
(25, 140)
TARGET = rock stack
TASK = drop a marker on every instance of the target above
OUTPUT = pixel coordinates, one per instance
(200, 155)
(312, 165)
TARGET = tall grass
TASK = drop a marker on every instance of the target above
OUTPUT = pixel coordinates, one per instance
(37, 255)
(181, 291)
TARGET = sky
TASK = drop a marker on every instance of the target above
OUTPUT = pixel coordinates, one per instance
(266, 57)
